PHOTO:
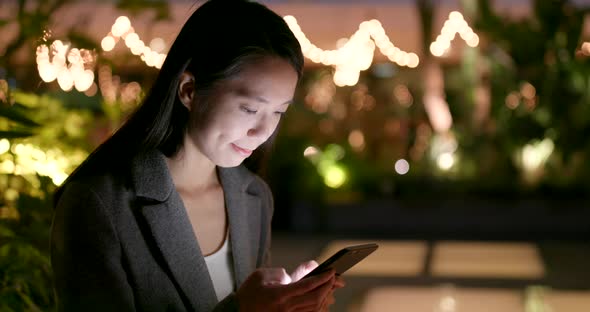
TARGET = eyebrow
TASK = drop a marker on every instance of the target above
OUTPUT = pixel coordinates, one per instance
(243, 92)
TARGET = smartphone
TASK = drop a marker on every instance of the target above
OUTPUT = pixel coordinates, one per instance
(345, 259)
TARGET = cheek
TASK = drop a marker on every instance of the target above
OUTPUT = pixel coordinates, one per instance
(230, 126)
(274, 125)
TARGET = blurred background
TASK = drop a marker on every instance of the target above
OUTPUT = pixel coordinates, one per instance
(454, 133)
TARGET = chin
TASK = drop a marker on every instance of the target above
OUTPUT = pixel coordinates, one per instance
(229, 163)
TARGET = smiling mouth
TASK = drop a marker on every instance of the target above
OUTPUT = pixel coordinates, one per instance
(241, 151)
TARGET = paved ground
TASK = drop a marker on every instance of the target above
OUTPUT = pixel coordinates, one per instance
(564, 266)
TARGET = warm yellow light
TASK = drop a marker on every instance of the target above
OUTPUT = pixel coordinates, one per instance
(47, 72)
(121, 26)
(160, 61)
(455, 15)
(158, 45)
(4, 146)
(466, 34)
(74, 56)
(108, 43)
(473, 41)
(341, 43)
(59, 178)
(447, 34)
(60, 48)
(11, 195)
(131, 39)
(340, 78)
(436, 49)
(356, 139)
(84, 80)
(402, 59)
(512, 100)
(137, 48)
(528, 91)
(335, 176)
(445, 161)
(7, 166)
(290, 19)
(453, 25)
(413, 60)
(353, 54)
(310, 151)
(65, 80)
(535, 154)
(42, 53)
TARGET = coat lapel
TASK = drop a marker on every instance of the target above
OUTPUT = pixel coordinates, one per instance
(175, 239)
(172, 231)
(242, 211)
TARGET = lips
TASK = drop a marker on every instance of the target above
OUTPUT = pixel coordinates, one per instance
(242, 151)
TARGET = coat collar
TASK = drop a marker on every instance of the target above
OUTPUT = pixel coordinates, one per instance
(172, 231)
(151, 177)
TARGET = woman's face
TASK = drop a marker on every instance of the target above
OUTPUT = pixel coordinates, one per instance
(244, 111)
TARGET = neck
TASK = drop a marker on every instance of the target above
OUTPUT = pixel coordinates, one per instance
(191, 170)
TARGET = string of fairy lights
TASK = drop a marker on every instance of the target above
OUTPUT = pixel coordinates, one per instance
(454, 25)
(122, 30)
(74, 68)
(356, 53)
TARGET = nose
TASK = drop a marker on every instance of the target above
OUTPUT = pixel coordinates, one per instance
(263, 128)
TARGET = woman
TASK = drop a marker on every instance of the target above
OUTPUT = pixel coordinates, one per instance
(163, 216)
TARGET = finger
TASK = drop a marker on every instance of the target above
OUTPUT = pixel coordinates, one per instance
(325, 308)
(303, 269)
(313, 299)
(339, 282)
(325, 303)
(274, 276)
(330, 300)
(308, 284)
(308, 303)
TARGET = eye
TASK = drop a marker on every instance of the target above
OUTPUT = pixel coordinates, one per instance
(247, 110)
(280, 113)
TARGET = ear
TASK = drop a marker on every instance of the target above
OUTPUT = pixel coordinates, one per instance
(186, 89)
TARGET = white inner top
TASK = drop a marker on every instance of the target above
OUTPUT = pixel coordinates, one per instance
(221, 269)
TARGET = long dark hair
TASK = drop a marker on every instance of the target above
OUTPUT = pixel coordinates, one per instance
(214, 44)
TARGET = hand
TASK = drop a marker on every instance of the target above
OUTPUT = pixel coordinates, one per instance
(330, 300)
(304, 269)
(270, 289)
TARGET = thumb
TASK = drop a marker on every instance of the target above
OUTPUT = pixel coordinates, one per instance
(274, 276)
(303, 269)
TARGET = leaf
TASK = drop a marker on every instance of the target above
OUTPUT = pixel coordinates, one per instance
(14, 115)
(6, 232)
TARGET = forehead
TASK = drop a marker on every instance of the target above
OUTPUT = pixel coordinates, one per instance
(271, 78)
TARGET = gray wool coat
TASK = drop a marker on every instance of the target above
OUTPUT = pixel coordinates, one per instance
(122, 241)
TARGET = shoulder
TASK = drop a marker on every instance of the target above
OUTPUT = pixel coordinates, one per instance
(103, 184)
(97, 192)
